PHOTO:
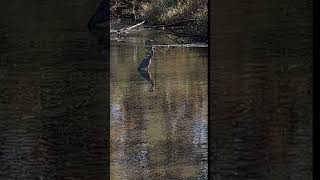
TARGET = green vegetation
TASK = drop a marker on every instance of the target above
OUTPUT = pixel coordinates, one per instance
(184, 17)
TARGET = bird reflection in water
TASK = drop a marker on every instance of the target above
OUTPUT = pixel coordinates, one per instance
(145, 74)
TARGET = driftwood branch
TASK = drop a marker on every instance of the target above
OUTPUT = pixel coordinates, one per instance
(127, 29)
(131, 27)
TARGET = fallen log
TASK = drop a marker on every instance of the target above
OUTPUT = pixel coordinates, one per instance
(171, 24)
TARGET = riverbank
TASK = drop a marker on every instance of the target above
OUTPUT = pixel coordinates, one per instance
(126, 27)
(186, 19)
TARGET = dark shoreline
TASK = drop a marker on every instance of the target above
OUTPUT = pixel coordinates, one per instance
(178, 31)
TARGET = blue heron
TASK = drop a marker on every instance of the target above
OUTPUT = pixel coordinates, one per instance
(147, 60)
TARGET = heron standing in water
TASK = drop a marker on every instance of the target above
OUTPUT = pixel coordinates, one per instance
(147, 60)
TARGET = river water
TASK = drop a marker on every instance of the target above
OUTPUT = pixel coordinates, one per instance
(158, 118)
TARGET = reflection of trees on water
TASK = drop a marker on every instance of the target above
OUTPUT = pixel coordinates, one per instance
(159, 129)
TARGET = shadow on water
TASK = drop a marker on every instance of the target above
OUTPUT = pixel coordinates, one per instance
(54, 92)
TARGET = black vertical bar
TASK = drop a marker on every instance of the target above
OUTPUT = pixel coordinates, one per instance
(261, 89)
(54, 102)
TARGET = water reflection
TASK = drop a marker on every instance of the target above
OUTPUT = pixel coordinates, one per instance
(147, 77)
(158, 134)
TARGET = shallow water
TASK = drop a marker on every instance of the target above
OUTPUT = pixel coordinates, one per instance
(158, 118)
